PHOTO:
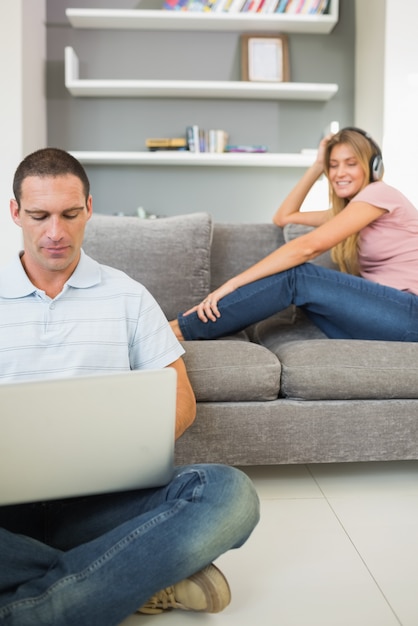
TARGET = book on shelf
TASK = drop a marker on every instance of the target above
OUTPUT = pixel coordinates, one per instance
(290, 7)
(294, 6)
(217, 140)
(307, 5)
(269, 6)
(190, 138)
(199, 140)
(221, 6)
(246, 6)
(166, 143)
(196, 5)
(175, 5)
(253, 6)
(201, 135)
(209, 5)
(236, 6)
(196, 138)
(281, 6)
(246, 148)
(324, 6)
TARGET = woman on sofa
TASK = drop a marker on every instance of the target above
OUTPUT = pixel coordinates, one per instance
(372, 231)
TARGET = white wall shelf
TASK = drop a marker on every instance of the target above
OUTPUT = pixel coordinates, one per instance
(183, 20)
(190, 88)
(205, 159)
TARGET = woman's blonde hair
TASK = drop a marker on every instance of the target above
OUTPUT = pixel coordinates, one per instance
(345, 253)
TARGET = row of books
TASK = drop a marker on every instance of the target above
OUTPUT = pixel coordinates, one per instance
(200, 140)
(196, 139)
(303, 7)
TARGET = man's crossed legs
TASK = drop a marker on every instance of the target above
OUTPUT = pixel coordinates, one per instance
(96, 560)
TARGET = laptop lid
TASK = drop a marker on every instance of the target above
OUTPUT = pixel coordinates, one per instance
(86, 435)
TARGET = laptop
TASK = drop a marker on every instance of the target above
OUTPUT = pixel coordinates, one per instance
(86, 435)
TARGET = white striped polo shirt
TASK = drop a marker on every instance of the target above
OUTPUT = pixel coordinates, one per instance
(102, 322)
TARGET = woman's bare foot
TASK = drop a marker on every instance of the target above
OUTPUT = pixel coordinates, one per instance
(176, 329)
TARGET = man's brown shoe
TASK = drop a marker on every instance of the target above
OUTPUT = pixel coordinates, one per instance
(206, 591)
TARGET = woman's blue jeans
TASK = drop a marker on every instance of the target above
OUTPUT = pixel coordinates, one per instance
(94, 561)
(341, 305)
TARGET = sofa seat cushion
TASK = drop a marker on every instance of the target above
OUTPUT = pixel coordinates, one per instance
(289, 325)
(170, 256)
(232, 371)
(340, 369)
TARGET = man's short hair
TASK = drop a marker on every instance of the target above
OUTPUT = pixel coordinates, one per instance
(49, 162)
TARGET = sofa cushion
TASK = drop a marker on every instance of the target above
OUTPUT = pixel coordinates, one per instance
(170, 256)
(289, 325)
(237, 246)
(232, 371)
(339, 369)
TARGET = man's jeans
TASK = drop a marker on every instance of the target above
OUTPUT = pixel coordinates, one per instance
(96, 560)
(341, 305)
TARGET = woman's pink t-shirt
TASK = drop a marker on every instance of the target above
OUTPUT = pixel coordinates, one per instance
(388, 247)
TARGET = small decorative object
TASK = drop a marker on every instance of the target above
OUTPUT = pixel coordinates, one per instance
(265, 58)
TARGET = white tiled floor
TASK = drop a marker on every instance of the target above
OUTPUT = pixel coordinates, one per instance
(337, 545)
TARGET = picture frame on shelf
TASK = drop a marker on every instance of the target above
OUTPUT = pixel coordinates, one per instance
(264, 58)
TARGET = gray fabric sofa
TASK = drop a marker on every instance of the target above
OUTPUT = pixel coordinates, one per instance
(279, 392)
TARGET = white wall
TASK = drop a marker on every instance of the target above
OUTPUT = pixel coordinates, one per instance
(387, 85)
(400, 138)
(22, 103)
(370, 66)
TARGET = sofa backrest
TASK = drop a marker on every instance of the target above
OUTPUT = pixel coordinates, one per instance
(237, 246)
(170, 256)
(181, 259)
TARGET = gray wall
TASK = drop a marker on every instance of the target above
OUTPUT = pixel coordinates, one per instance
(230, 194)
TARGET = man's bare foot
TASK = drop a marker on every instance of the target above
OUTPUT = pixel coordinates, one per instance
(176, 329)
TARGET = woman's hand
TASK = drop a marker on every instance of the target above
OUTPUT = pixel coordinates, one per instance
(208, 308)
(289, 211)
(322, 148)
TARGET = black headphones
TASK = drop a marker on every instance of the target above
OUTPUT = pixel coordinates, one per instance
(376, 162)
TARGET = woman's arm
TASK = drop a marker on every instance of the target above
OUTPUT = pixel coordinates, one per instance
(289, 210)
(352, 219)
